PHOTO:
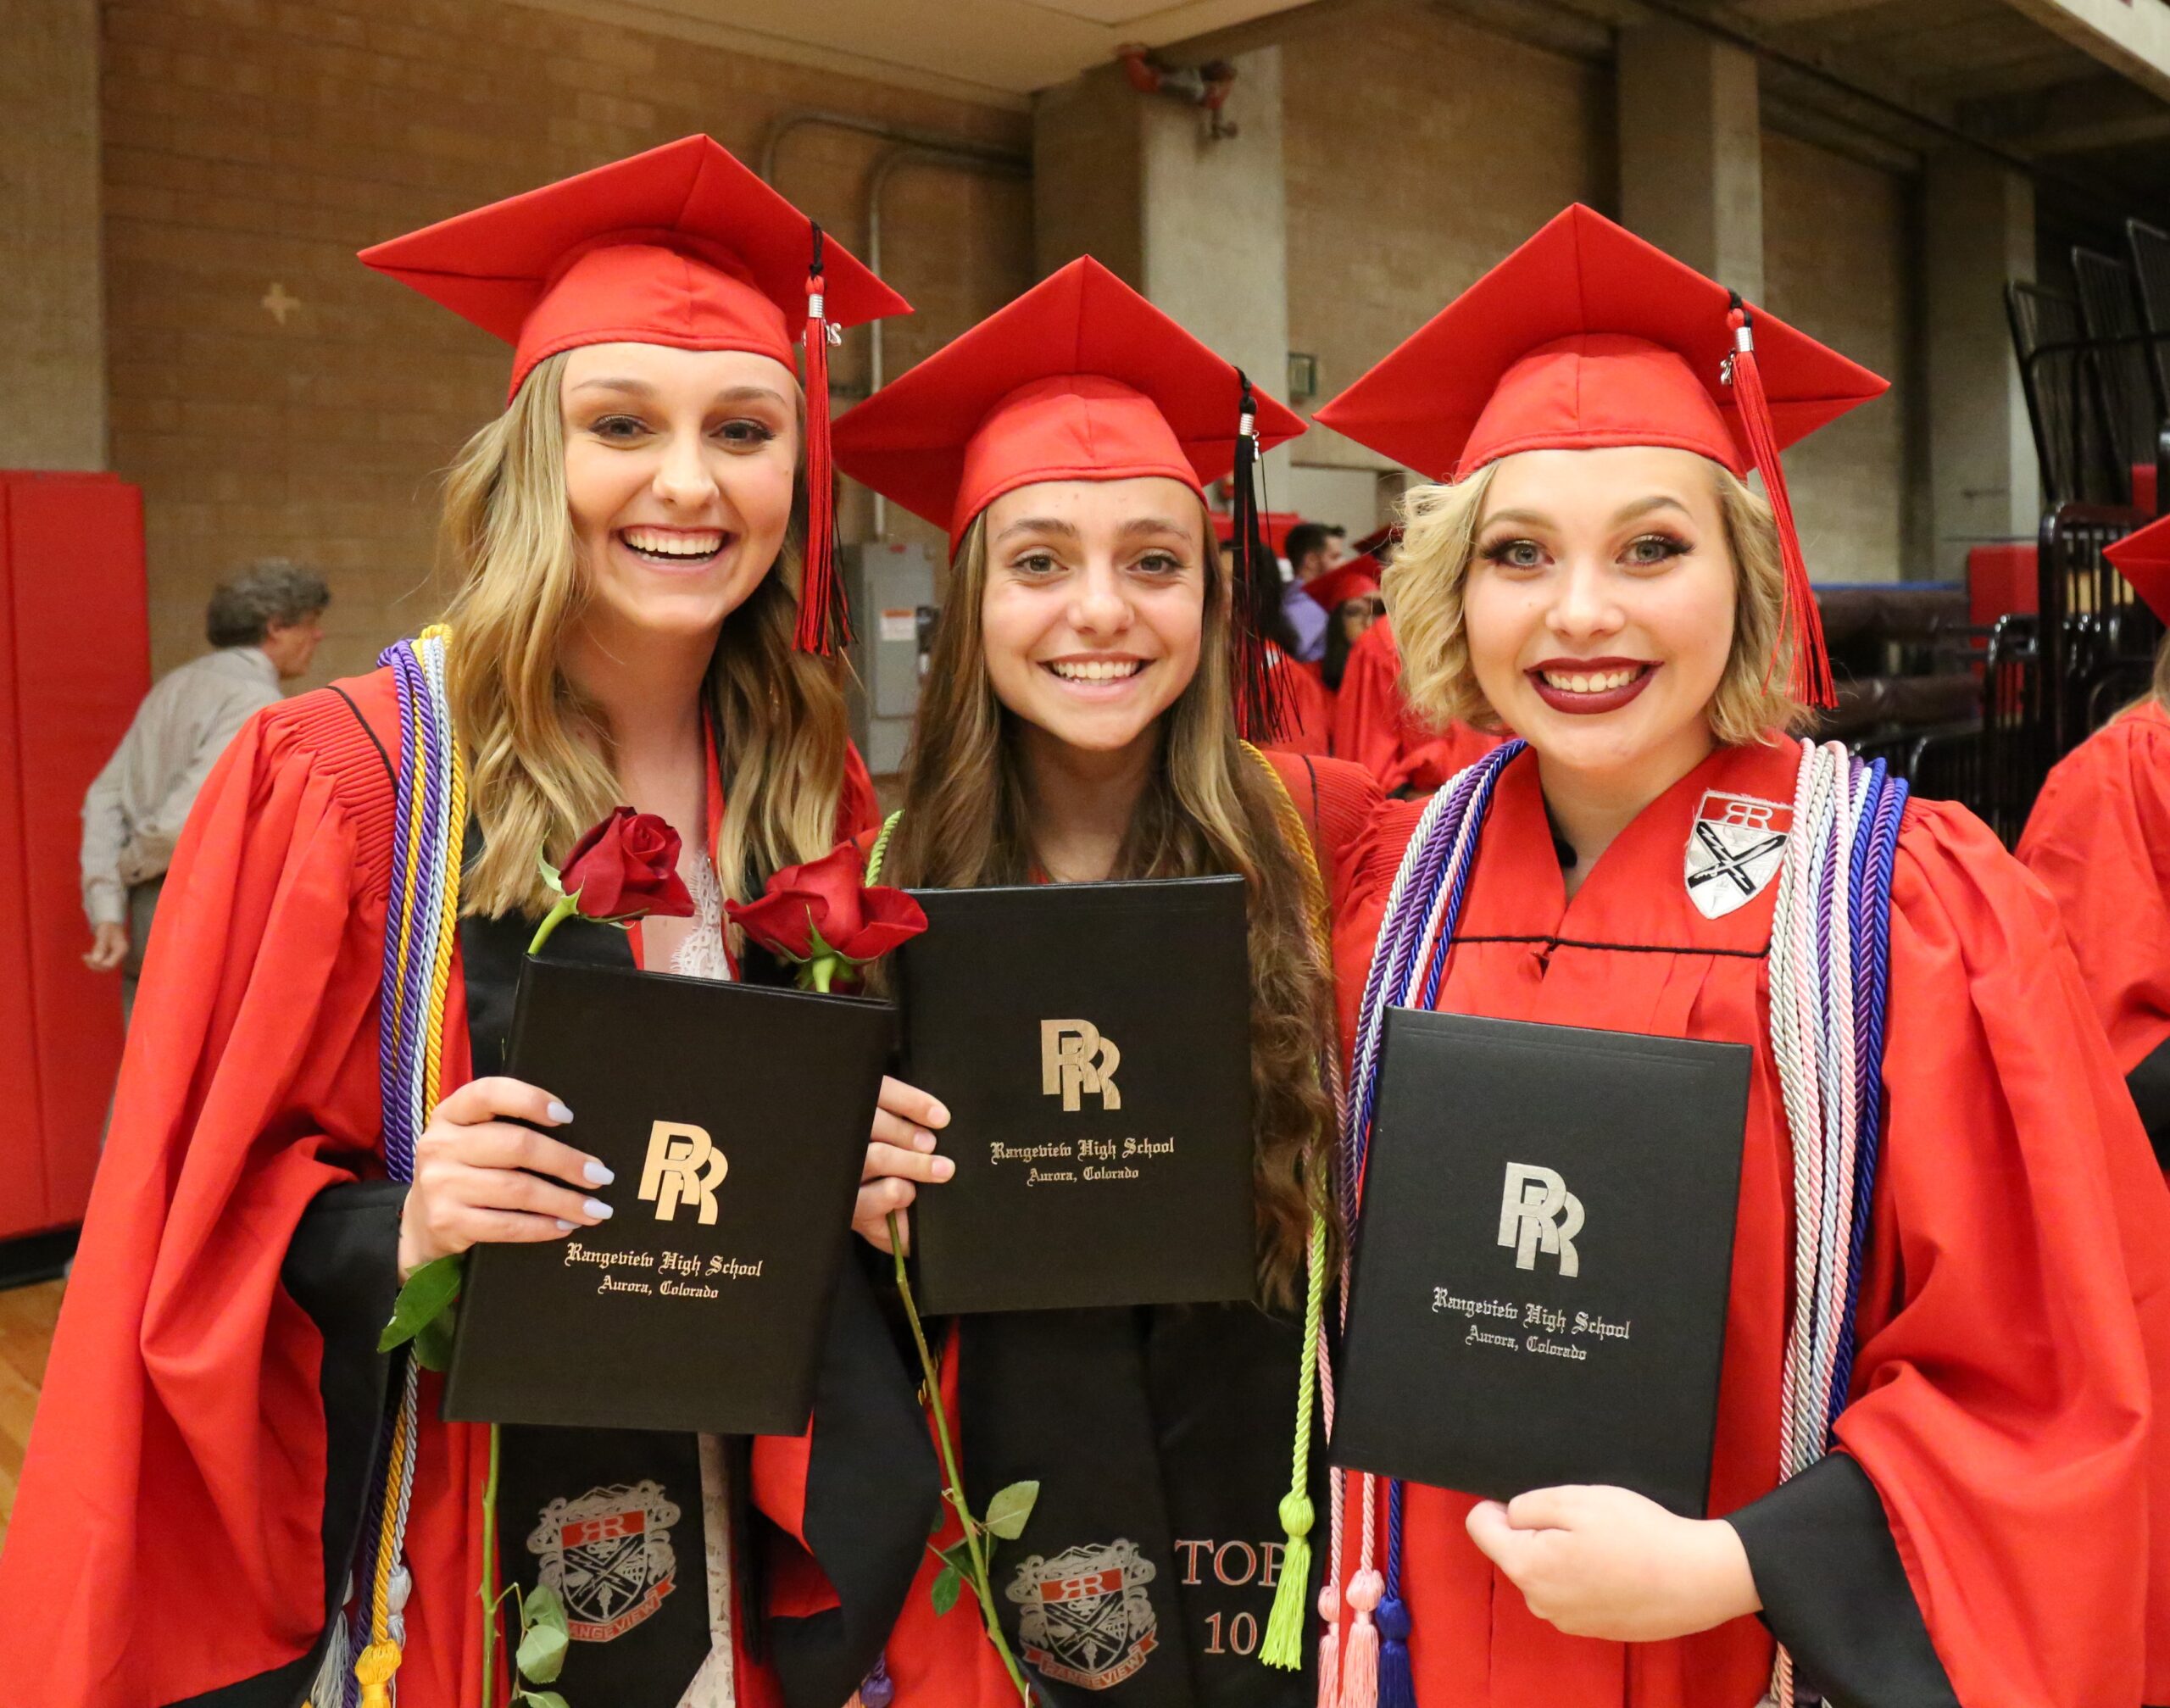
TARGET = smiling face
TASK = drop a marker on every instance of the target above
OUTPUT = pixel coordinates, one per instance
(679, 475)
(1094, 604)
(1599, 606)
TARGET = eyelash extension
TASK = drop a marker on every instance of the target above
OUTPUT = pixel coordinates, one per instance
(1674, 546)
(1496, 552)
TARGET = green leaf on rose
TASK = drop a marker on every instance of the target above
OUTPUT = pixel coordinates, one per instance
(428, 1291)
(947, 1588)
(550, 874)
(543, 1652)
(433, 1341)
(543, 1699)
(1009, 1508)
(542, 1607)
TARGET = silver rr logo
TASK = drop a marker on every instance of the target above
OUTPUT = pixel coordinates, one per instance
(1537, 1213)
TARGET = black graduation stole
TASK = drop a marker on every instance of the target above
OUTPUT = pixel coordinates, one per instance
(617, 1512)
(1159, 1439)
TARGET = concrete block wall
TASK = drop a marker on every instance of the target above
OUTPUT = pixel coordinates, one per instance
(1419, 150)
(1838, 263)
(271, 394)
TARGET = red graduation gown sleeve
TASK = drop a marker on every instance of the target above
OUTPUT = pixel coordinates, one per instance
(2098, 838)
(2002, 1399)
(166, 1541)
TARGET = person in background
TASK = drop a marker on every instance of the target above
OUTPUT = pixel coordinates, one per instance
(1349, 592)
(264, 624)
(2098, 838)
(1310, 554)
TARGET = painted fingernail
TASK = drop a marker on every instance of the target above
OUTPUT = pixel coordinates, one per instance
(944, 1168)
(922, 1140)
(597, 1209)
(559, 1112)
(596, 1174)
(564, 1227)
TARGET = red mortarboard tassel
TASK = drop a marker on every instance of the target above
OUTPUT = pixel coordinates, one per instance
(1800, 632)
(824, 618)
(1262, 711)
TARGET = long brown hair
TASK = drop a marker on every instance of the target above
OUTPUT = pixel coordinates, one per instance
(539, 754)
(1208, 808)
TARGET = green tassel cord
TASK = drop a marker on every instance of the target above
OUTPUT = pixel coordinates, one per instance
(1283, 1645)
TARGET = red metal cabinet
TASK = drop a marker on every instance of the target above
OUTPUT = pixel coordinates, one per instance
(74, 661)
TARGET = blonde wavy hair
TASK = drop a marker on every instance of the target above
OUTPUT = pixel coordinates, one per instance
(1423, 587)
(539, 754)
(1209, 807)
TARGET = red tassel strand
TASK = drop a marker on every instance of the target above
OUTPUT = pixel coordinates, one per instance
(1262, 707)
(1801, 637)
(824, 620)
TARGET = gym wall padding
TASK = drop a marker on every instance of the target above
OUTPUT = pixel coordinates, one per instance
(75, 662)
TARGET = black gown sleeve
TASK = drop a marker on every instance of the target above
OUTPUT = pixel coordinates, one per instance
(1835, 1594)
(2150, 1084)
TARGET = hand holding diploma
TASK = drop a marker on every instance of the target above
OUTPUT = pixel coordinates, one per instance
(900, 1153)
(1607, 1563)
(473, 1180)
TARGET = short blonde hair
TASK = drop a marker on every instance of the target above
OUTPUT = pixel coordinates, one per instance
(1423, 588)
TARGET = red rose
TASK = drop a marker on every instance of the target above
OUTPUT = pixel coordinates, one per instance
(825, 907)
(627, 866)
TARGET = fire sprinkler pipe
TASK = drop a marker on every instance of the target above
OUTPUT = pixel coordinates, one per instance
(910, 148)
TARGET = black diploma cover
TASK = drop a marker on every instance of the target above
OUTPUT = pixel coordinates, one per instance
(1544, 1259)
(1093, 1044)
(735, 1118)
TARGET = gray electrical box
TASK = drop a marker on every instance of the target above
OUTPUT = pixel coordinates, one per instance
(891, 590)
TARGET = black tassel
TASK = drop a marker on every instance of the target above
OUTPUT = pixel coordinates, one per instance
(1262, 708)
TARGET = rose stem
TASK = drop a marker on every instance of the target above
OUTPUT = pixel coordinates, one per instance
(956, 1489)
(489, 1574)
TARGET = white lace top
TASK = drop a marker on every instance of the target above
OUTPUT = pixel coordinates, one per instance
(701, 955)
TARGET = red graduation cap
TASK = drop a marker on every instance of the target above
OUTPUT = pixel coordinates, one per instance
(2143, 558)
(1588, 336)
(1080, 379)
(681, 246)
(1358, 578)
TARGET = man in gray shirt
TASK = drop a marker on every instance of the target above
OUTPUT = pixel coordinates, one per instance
(266, 623)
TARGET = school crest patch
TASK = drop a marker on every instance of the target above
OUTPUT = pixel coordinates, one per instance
(1084, 1615)
(1735, 847)
(609, 1556)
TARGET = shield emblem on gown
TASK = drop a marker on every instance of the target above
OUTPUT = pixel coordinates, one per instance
(608, 1554)
(1084, 1615)
(1735, 846)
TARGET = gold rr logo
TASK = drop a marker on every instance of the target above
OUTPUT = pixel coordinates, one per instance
(1076, 1060)
(683, 1167)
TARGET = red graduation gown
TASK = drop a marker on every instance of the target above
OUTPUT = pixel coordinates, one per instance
(2001, 1401)
(1310, 707)
(166, 1539)
(946, 1661)
(1372, 727)
(2100, 838)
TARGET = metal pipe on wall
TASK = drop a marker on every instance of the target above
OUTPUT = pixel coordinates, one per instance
(911, 148)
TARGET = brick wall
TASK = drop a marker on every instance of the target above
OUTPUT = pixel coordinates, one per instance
(1837, 263)
(255, 144)
(1419, 151)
